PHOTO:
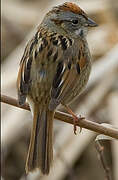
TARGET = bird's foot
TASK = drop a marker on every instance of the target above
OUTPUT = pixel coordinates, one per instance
(75, 119)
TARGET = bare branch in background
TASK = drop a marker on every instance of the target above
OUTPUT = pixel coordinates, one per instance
(100, 150)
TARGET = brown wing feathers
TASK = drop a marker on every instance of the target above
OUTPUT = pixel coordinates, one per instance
(23, 80)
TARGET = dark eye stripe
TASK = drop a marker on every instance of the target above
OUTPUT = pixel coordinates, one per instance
(75, 21)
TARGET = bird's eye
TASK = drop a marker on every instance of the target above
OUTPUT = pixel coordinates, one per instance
(75, 21)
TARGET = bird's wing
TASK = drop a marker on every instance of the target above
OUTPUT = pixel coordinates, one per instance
(68, 73)
(23, 79)
(35, 61)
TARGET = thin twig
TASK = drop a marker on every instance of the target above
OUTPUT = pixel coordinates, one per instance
(109, 131)
(100, 150)
(14, 102)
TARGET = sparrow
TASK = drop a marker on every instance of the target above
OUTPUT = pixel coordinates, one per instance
(54, 70)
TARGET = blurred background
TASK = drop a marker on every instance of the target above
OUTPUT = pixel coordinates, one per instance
(75, 157)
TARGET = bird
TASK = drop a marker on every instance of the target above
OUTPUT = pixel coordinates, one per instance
(54, 70)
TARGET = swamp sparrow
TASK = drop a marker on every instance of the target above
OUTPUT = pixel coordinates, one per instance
(54, 70)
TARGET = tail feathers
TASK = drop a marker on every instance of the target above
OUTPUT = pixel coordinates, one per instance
(40, 154)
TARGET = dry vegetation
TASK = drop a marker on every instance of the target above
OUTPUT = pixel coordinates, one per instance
(75, 157)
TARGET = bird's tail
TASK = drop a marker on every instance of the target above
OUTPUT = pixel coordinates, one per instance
(40, 154)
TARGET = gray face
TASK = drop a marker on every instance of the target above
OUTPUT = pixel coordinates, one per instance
(74, 23)
(68, 22)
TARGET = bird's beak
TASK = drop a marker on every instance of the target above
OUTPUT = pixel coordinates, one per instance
(91, 23)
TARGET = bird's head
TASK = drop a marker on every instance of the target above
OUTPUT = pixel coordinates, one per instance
(70, 19)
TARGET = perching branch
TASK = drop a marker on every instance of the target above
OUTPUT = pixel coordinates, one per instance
(100, 150)
(109, 131)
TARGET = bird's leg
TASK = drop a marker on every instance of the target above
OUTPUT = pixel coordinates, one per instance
(75, 119)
